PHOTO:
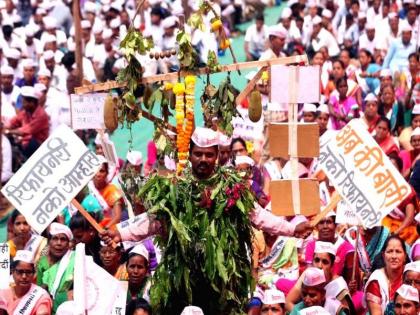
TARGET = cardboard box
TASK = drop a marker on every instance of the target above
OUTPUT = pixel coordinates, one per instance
(307, 140)
(281, 197)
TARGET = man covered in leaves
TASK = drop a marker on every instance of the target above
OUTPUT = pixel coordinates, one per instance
(204, 220)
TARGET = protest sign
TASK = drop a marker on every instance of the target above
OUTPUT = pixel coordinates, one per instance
(87, 111)
(299, 87)
(362, 173)
(118, 308)
(4, 265)
(109, 149)
(51, 178)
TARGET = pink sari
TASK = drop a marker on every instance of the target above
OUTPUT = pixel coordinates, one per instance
(10, 303)
(342, 108)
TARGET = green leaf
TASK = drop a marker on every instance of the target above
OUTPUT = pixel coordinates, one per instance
(220, 266)
(216, 191)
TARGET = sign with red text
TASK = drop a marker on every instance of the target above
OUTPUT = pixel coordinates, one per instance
(362, 174)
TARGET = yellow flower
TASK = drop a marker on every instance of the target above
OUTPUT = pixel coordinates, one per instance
(190, 79)
(168, 86)
(179, 88)
(249, 147)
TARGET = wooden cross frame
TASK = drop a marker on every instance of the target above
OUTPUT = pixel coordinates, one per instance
(173, 76)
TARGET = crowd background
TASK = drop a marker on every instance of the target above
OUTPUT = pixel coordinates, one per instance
(369, 60)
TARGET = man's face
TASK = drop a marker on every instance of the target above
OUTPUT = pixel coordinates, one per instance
(277, 43)
(309, 117)
(259, 24)
(361, 23)
(28, 73)
(322, 121)
(286, 22)
(13, 62)
(7, 81)
(406, 37)
(370, 34)
(412, 278)
(224, 154)
(29, 104)
(411, 16)
(50, 63)
(203, 161)
(44, 80)
(272, 309)
(59, 245)
(415, 142)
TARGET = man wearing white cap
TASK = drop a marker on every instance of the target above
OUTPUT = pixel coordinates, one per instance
(406, 301)
(273, 302)
(58, 72)
(24, 297)
(55, 271)
(368, 40)
(309, 113)
(28, 78)
(396, 58)
(30, 126)
(405, 135)
(169, 41)
(13, 55)
(320, 37)
(370, 116)
(31, 46)
(203, 156)
(9, 93)
(411, 274)
(277, 38)
(313, 293)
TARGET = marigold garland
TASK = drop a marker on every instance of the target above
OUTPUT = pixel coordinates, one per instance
(184, 116)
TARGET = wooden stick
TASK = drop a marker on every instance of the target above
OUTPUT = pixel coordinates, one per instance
(250, 86)
(153, 118)
(335, 199)
(87, 216)
(173, 76)
(353, 275)
(78, 39)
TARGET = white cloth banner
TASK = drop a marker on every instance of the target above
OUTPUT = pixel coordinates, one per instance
(95, 290)
(362, 174)
(51, 178)
(4, 265)
(87, 111)
(345, 214)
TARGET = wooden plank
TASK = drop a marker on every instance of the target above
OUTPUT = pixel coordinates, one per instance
(153, 118)
(335, 199)
(249, 87)
(173, 76)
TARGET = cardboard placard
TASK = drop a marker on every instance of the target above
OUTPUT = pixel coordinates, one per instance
(307, 140)
(87, 111)
(4, 265)
(281, 197)
(307, 83)
(51, 178)
(362, 174)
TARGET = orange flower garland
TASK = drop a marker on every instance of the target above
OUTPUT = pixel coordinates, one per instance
(184, 121)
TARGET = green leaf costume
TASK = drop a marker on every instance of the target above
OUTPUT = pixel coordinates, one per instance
(207, 244)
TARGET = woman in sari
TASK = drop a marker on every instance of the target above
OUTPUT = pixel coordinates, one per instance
(405, 136)
(383, 283)
(138, 271)
(391, 108)
(109, 197)
(24, 238)
(24, 297)
(111, 261)
(384, 138)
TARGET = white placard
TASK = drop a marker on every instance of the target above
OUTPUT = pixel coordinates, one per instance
(305, 88)
(109, 150)
(120, 301)
(4, 265)
(51, 178)
(345, 214)
(87, 111)
(362, 173)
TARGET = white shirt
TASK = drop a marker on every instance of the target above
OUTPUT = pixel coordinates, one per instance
(365, 43)
(8, 110)
(6, 171)
(57, 106)
(325, 38)
(256, 40)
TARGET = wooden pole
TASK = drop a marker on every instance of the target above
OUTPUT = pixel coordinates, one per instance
(353, 274)
(173, 76)
(335, 199)
(78, 39)
(87, 216)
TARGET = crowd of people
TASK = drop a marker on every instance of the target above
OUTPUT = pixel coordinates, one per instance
(368, 54)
